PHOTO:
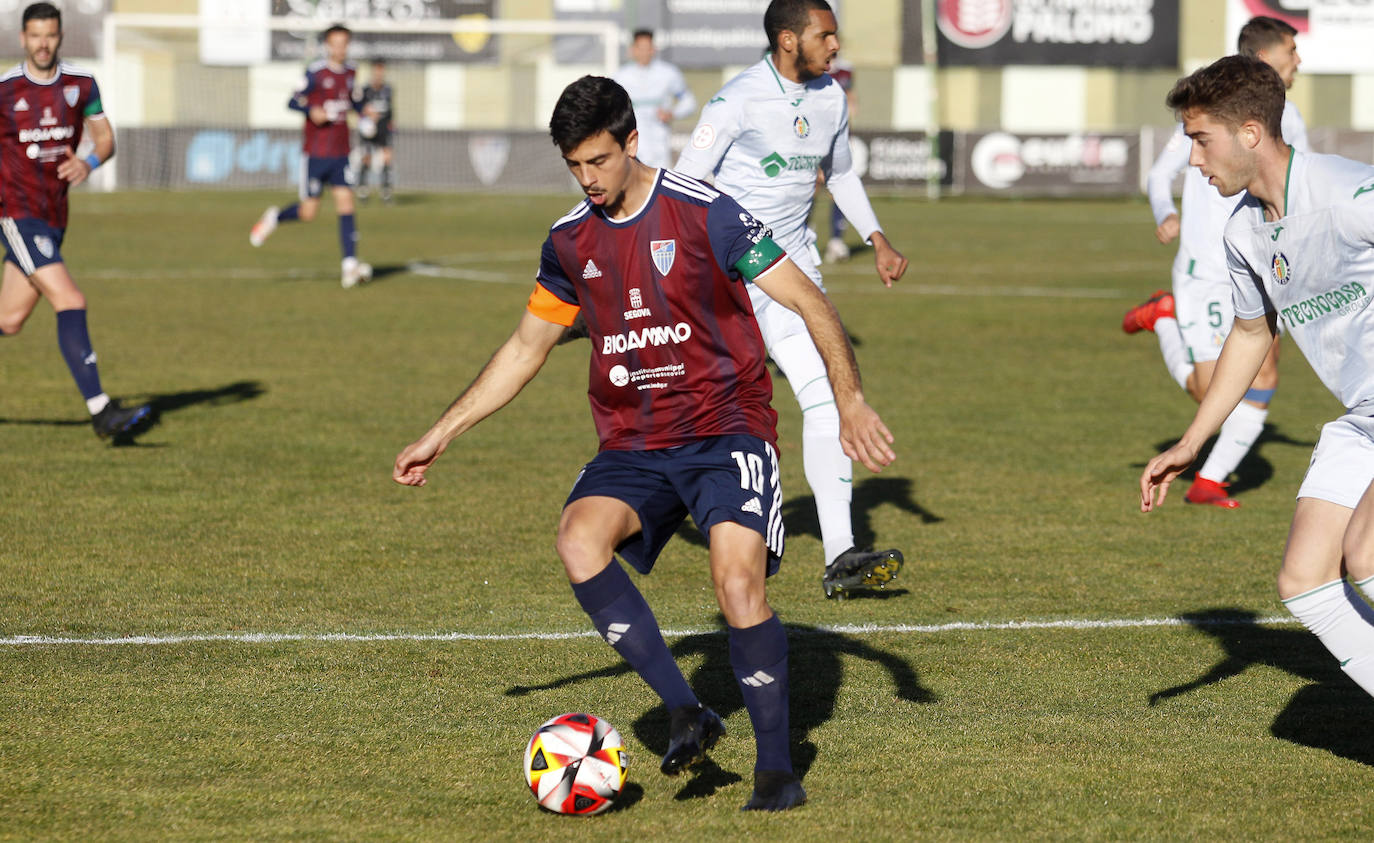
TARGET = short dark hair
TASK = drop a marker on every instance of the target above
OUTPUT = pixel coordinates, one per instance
(338, 27)
(1233, 90)
(1261, 33)
(41, 11)
(790, 15)
(589, 106)
(642, 33)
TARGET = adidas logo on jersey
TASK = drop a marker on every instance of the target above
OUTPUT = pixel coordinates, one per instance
(753, 506)
(590, 270)
(22, 105)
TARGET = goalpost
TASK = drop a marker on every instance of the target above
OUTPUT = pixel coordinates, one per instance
(183, 122)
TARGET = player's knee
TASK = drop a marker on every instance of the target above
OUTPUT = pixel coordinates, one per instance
(1359, 555)
(1296, 579)
(12, 323)
(742, 598)
(306, 212)
(583, 558)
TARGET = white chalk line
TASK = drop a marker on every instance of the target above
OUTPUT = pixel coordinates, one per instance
(839, 629)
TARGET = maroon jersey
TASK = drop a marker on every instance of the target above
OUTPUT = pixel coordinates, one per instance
(38, 122)
(676, 353)
(332, 90)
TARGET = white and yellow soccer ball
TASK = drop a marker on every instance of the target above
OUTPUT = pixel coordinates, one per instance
(576, 764)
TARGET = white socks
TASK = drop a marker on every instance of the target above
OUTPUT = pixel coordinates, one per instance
(1345, 625)
(1174, 351)
(829, 473)
(1237, 437)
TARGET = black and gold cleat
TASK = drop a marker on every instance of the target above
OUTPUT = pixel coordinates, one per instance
(775, 790)
(860, 569)
(694, 730)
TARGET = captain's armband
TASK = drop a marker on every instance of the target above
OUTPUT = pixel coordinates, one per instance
(764, 255)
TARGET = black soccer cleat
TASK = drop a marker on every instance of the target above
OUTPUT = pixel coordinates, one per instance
(694, 730)
(775, 790)
(121, 424)
(858, 569)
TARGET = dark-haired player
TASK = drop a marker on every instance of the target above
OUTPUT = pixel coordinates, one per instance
(656, 263)
(1300, 250)
(326, 99)
(46, 107)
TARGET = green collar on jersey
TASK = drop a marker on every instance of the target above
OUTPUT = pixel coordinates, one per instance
(777, 77)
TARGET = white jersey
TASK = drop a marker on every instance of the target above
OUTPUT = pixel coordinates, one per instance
(765, 137)
(657, 85)
(1205, 211)
(1315, 269)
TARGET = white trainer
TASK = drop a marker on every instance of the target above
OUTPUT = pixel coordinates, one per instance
(263, 228)
(836, 251)
(355, 272)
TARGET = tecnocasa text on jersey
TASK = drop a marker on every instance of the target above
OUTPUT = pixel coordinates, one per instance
(1336, 301)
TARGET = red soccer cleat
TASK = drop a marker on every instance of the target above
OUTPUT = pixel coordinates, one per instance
(1212, 492)
(1142, 317)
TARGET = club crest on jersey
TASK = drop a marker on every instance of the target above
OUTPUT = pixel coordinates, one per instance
(44, 245)
(1280, 269)
(637, 309)
(70, 93)
(801, 127)
(663, 252)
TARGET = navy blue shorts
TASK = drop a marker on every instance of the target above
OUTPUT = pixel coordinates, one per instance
(315, 172)
(724, 478)
(31, 244)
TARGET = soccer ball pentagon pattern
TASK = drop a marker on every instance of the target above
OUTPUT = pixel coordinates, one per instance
(576, 764)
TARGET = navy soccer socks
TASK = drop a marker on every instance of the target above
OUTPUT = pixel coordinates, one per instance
(758, 655)
(348, 235)
(75, 343)
(619, 613)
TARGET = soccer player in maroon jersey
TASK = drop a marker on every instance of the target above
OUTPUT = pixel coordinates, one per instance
(45, 108)
(656, 264)
(325, 99)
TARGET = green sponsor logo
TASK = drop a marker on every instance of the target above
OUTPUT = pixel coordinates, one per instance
(715, 99)
(796, 102)
(1339, 301)
(774, 164)
(1364, 189)
(1277, 230)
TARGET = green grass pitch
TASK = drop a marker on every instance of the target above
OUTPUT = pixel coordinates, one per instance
(262, 505)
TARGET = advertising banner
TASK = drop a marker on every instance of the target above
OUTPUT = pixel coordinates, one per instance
(449, 47)
(1086, 164)
(689, 33)
(1333, 35)
(1102, 33)
(901, 159)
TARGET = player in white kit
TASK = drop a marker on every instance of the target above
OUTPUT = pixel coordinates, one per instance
(764, 136)
(660, 95)
(1192, 323)
(1300, 252)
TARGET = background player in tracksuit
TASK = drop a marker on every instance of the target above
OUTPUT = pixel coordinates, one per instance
(326, 99)
(378, 105)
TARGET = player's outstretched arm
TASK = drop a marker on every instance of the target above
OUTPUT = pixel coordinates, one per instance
(1241, 357)
(513, 365)
(863, 435)
(891, 263)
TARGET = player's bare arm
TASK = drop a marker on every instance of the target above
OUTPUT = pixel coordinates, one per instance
(1167, 231)
(862, 433)
(891, 263)
(513, 365)
(1241, 357)
(76, 170)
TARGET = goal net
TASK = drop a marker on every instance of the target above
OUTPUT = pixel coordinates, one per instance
(202, 104)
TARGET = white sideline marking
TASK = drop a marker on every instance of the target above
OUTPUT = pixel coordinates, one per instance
(844, 629)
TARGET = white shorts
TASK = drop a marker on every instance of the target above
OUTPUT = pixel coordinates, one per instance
(776, 322)
(1204, 312)
(1342, 463)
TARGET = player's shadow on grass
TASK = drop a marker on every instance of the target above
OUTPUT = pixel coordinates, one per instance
(1254, 470)
(815, 672)
(799, 514)
(1332, 714)
(162, 403)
